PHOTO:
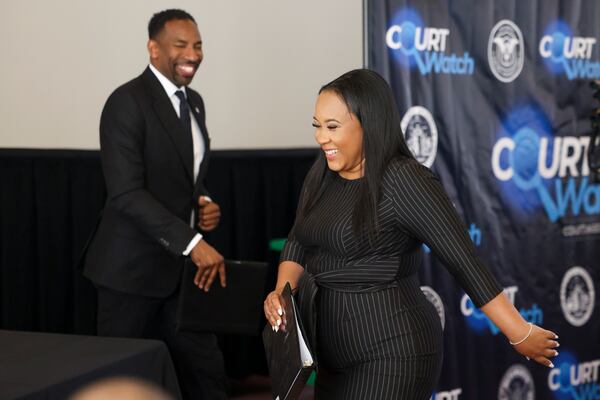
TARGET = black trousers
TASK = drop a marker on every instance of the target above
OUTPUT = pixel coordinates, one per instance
(197, 357)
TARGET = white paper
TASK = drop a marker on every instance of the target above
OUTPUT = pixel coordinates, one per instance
(305, 355)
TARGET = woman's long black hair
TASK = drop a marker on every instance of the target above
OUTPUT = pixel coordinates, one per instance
(369, 97)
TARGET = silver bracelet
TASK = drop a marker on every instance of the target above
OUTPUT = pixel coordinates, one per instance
(526, 336)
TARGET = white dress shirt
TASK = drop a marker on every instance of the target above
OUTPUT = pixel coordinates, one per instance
(197, 139)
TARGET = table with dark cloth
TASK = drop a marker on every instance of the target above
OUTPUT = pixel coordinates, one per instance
(53, 366)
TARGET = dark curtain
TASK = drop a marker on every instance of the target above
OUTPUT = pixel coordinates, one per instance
(49, 203)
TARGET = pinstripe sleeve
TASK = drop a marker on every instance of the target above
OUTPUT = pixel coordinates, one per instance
(293, 249)
(425, 212)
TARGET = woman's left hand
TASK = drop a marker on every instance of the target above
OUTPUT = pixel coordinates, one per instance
(539, 346)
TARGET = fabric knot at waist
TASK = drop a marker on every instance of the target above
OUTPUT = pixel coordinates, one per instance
(348, 280)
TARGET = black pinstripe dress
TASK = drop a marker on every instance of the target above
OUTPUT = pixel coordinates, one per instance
(376, 335)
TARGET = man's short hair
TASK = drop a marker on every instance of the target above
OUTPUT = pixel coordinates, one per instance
(158, 20)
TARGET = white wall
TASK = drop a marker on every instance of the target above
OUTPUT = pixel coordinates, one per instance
(264, 62)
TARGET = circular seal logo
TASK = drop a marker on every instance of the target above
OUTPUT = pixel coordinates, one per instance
(516, 383)
(506, 51)
(420, 133)
(435, 299)
(577, 296)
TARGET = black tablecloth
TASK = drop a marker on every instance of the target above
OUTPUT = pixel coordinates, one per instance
(53, 366)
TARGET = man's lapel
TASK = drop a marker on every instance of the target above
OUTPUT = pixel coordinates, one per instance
(164, 109)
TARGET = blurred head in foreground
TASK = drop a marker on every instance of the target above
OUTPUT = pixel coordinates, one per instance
(121, 389)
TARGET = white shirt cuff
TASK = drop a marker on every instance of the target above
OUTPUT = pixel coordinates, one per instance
(192, 244)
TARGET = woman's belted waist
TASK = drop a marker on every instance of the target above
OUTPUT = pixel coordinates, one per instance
(347, 280)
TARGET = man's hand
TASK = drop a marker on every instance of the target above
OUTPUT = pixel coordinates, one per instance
(209, 263)
(209, 214)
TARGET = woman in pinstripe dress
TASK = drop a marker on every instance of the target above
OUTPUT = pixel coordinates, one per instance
(353, 254)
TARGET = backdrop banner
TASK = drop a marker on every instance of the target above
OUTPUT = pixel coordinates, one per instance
(495, 98)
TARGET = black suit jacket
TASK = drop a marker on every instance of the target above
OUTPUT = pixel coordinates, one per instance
(147, 160)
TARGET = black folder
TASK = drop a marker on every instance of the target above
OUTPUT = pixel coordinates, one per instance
(234, 309)
(289, 357)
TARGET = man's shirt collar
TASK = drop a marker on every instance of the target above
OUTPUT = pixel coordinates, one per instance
(169, 86)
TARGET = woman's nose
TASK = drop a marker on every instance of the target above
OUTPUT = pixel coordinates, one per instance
(321, 137)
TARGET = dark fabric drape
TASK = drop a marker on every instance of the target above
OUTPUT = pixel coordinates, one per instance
(50, 201)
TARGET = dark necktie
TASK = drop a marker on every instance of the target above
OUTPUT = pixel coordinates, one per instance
(184, 113)
(184, 116)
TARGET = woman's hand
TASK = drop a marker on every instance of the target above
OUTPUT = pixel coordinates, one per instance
(540, 345)
(273, 307)
(533, 342)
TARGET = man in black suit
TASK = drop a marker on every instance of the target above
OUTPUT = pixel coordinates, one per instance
(155, 151)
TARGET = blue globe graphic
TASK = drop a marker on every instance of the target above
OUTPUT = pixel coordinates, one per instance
(558, 45)
(525, 158)
(407, 36)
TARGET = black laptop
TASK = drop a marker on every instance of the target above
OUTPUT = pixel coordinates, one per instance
(234, 309)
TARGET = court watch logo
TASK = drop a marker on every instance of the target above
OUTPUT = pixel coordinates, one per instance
(506, 51)
(574, 380)
(536, 168)
(453, 394)
(566, 54)
(435, 299)
(577, 296)
(420, 133)
(415, 45)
